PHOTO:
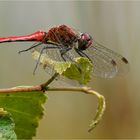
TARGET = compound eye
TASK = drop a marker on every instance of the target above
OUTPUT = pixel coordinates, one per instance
(85, 41)
(86, 36)
(88, 39)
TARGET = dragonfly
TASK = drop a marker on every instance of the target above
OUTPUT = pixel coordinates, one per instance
(68, 41)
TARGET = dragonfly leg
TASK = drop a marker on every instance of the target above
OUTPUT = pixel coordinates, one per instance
(82, 54)
(33, 46)
(41, 52)
(63, 51)
(37, 44)
(38, 60)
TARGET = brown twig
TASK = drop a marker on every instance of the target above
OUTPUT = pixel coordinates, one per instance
(101, 99)
(21, 89)
(101, 102)
(44, 85)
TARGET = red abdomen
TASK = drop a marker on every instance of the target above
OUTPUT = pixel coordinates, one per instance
(63, 35)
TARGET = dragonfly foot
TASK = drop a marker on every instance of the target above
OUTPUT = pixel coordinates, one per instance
(22, 51)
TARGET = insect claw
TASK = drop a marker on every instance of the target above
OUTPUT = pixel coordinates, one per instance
(19, 52)
(35, 69)
(22, 51)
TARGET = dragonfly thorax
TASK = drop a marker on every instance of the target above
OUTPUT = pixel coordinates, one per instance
(84, 41)
(63, 35)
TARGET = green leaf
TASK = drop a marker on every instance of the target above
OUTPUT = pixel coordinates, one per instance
(80, 69)
(26, 110)
(6, 126)
(61, 67)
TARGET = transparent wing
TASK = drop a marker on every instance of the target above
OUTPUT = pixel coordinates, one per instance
(54, 54)
(106, 63)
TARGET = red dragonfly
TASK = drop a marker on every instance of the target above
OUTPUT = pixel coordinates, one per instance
(63, 38)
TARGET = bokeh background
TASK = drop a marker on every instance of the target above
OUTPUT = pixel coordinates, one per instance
(115, 24)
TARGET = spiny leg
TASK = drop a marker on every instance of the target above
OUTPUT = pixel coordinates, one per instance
(35, 44)
(63, 52)
(38, 60)
(82, 54)
(45, 47)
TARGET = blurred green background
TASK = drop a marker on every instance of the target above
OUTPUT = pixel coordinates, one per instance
(113, 24)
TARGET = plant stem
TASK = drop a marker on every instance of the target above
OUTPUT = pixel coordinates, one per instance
(44, 85)
(101, 100)
(21, 89)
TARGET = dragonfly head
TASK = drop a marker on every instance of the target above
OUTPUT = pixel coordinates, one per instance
(84, 41)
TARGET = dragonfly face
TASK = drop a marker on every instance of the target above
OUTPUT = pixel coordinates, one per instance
(85, 41)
